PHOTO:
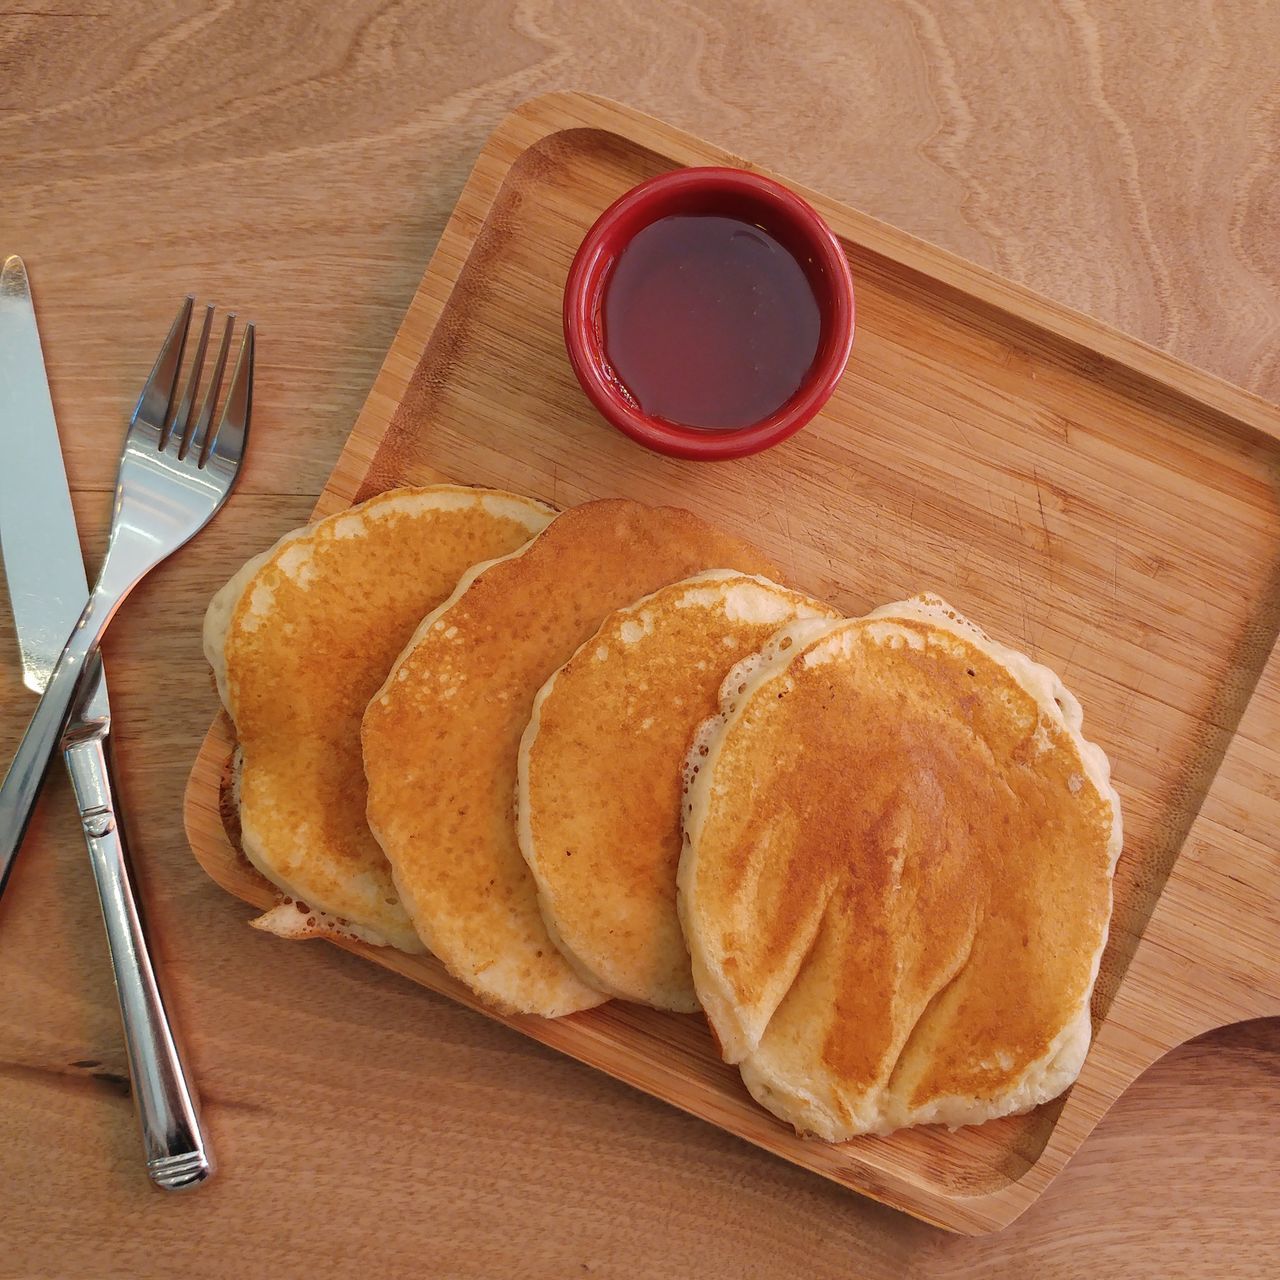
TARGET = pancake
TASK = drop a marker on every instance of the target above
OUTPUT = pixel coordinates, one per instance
(896, 877)
(442, 736)
(299, 641)
(598, 807)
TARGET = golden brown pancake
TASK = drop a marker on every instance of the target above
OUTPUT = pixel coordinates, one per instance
(896, 879)
(441, 737)
(299, 641)
(598, 807)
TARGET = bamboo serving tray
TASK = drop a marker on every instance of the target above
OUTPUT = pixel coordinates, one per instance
(1114, 513)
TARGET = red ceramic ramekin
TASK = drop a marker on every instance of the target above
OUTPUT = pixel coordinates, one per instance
(732, 193)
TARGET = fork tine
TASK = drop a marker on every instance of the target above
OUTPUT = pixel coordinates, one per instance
(228, 444)
(195, 446)
(181, 421)
(153, 404)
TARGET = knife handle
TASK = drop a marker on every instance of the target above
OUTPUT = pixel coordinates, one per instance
(177, 1155)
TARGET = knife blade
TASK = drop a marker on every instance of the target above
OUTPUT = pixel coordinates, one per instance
(44, 569)
(45, 574)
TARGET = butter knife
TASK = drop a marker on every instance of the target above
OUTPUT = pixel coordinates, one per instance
(47, 588)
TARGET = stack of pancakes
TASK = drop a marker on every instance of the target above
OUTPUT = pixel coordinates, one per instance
(605, 753)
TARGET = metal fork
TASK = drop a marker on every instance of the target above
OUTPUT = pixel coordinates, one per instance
(175, 473)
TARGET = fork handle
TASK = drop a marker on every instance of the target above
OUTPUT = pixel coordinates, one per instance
(26, 774)
(177, 1156)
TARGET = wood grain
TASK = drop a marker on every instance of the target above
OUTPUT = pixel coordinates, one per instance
(1122, 158)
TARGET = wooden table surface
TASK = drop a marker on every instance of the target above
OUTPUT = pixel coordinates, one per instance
(298, 161)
